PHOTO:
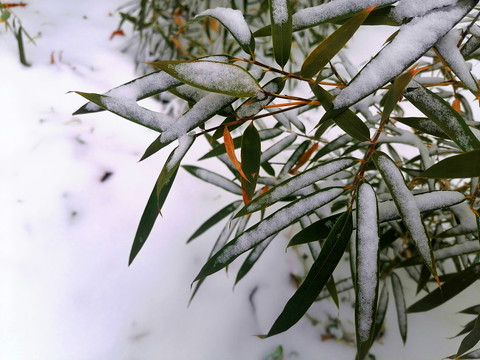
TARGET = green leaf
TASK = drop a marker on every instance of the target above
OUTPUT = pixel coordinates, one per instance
(367, 251)
(317, 277)
(381, 311)
(424, 125)
(317, 231)
(471, 339)
(214, 76)
(250, 155)
(452, 287)
(149, 216)
(252, 258)
(153, 148)
(214, 179)
(346, 120)
(295, 183)
(329, 47)
(281, 20)
(214, 219)
(473, 310)
(407, 207)
(269, 226)
(235, 23)
(475, 354)
(400, 305)
(460, 166)
(333, 145)
(442, 114)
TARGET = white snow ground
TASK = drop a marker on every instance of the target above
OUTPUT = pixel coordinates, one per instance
(65, 289)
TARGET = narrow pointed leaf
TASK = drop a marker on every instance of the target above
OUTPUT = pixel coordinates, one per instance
(471, 339)
(277, 148)
(400, 305)
(214, 179)
(230, 147)
(153, 148)
(424, 125)
(473, 310)
(450, 288)
(149, 217)
(381, 311)
(235, 23)
(250, 154)
(442, 114)
(281, 20)
(317, 231)
(329, 47)
(294, 158)
(252, 258)
(475, 354)
(346, 120)
(214, 219)
(367, 268)
(460, 166)
(269, 226)
(445, 253)
(407, 207)
(388, 63)
(317, 277)
(224, 78)
(295, 183)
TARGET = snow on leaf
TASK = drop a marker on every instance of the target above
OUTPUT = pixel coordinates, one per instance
(297, 182)
(281, 18)
(220, 77)
(411, 42)
(446, 252)
(367, 250)
(413, 8)
(316, 15)
(277, 148)
(271, 225)
(235, 23)
(252, 258)
(214, 179)
(448, 50)
(407, 207)
(444, 116)
(467, 221)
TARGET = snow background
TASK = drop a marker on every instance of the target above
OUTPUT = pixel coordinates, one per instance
(65, 289)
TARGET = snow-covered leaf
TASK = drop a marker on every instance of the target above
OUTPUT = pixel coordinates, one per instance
(235, 23)
(450, 288)
(320, 272)
(465, 165)
(214, 76)
(294, 158)
(407, 207)
(412, 41)
(412, 8)
(387, 212)
(424, 125)
(446, 252)
(149, 216)
(252, 258)
(440, 112)
(281, 20)
(467, 221)
(346, 120)
(267, 227)
(214, 179)
(278, 147)
(448, 50)
(329, 47)
(399, 297)
(214, 219)
(367, 251)
(295, 183)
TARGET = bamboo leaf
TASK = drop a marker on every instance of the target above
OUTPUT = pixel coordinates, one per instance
(224, 78)
(473, 310)
(295, 183)
(250, 153)
(367, 250)
(214, 179)
(407, 207)
(153, 148)
(442, 114)
(424, 125)
(471, 339)
(381, 311)
(346, 120)
(230, 147)
(329, 47)
(235, 23)
(269, 226)
(317, 277)
(214, 219)
(460, 166)
(450, 288)
(149, 216)
(400, 305)
(281, 20)
(317, 231)
(445, 253)
(252, 258)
